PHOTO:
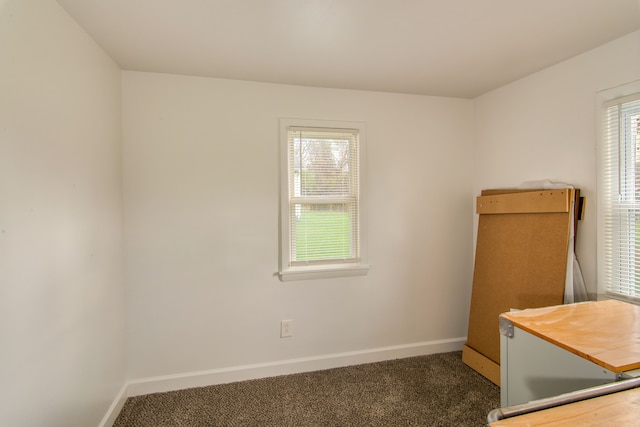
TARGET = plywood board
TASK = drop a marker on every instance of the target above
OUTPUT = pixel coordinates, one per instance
(618, 409)
(606, 333)
(543, 201)
(520, 263)
(481, 364)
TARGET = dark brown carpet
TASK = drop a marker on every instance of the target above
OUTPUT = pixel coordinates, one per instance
(435, 390)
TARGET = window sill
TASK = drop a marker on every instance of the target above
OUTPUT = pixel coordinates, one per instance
(316, 272)
(619, 297)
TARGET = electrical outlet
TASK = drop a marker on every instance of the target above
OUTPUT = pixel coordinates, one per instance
(286, 328)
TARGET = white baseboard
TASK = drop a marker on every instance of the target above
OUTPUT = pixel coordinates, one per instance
(290, 366)
(270, 369)
(115, 408)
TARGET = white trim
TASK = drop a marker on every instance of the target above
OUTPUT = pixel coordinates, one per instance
(621, 100)
(291, 366)
(287, 272)
(322, 272)
(603, 97)
(610, 295)
(115, 408)
(271, 369)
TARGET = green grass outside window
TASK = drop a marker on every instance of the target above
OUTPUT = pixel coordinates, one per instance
(323, 235)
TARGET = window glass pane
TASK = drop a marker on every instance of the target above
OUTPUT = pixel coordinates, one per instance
(322, 232)
(322, 166)
(323, 195)
(621, 176)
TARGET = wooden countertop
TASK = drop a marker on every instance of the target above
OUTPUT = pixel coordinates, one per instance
(618, 409)
(605, 332)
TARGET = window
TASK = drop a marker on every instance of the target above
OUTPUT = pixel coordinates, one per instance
(619, 198)
(322, 199)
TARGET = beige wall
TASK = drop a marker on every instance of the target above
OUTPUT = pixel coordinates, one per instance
(201, 213)
(544, 127)
(62, 349)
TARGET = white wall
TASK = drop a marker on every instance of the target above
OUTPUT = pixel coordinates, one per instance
(201, 225)
(544, 127)
(62, 351)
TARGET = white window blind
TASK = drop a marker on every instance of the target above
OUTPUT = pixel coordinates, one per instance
(620, 181)
(323, 195)
(322, 207)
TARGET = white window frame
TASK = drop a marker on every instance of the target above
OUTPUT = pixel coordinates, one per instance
(317, 270)
(604, 99)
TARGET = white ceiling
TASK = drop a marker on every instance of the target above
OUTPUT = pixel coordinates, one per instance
(458, 48)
